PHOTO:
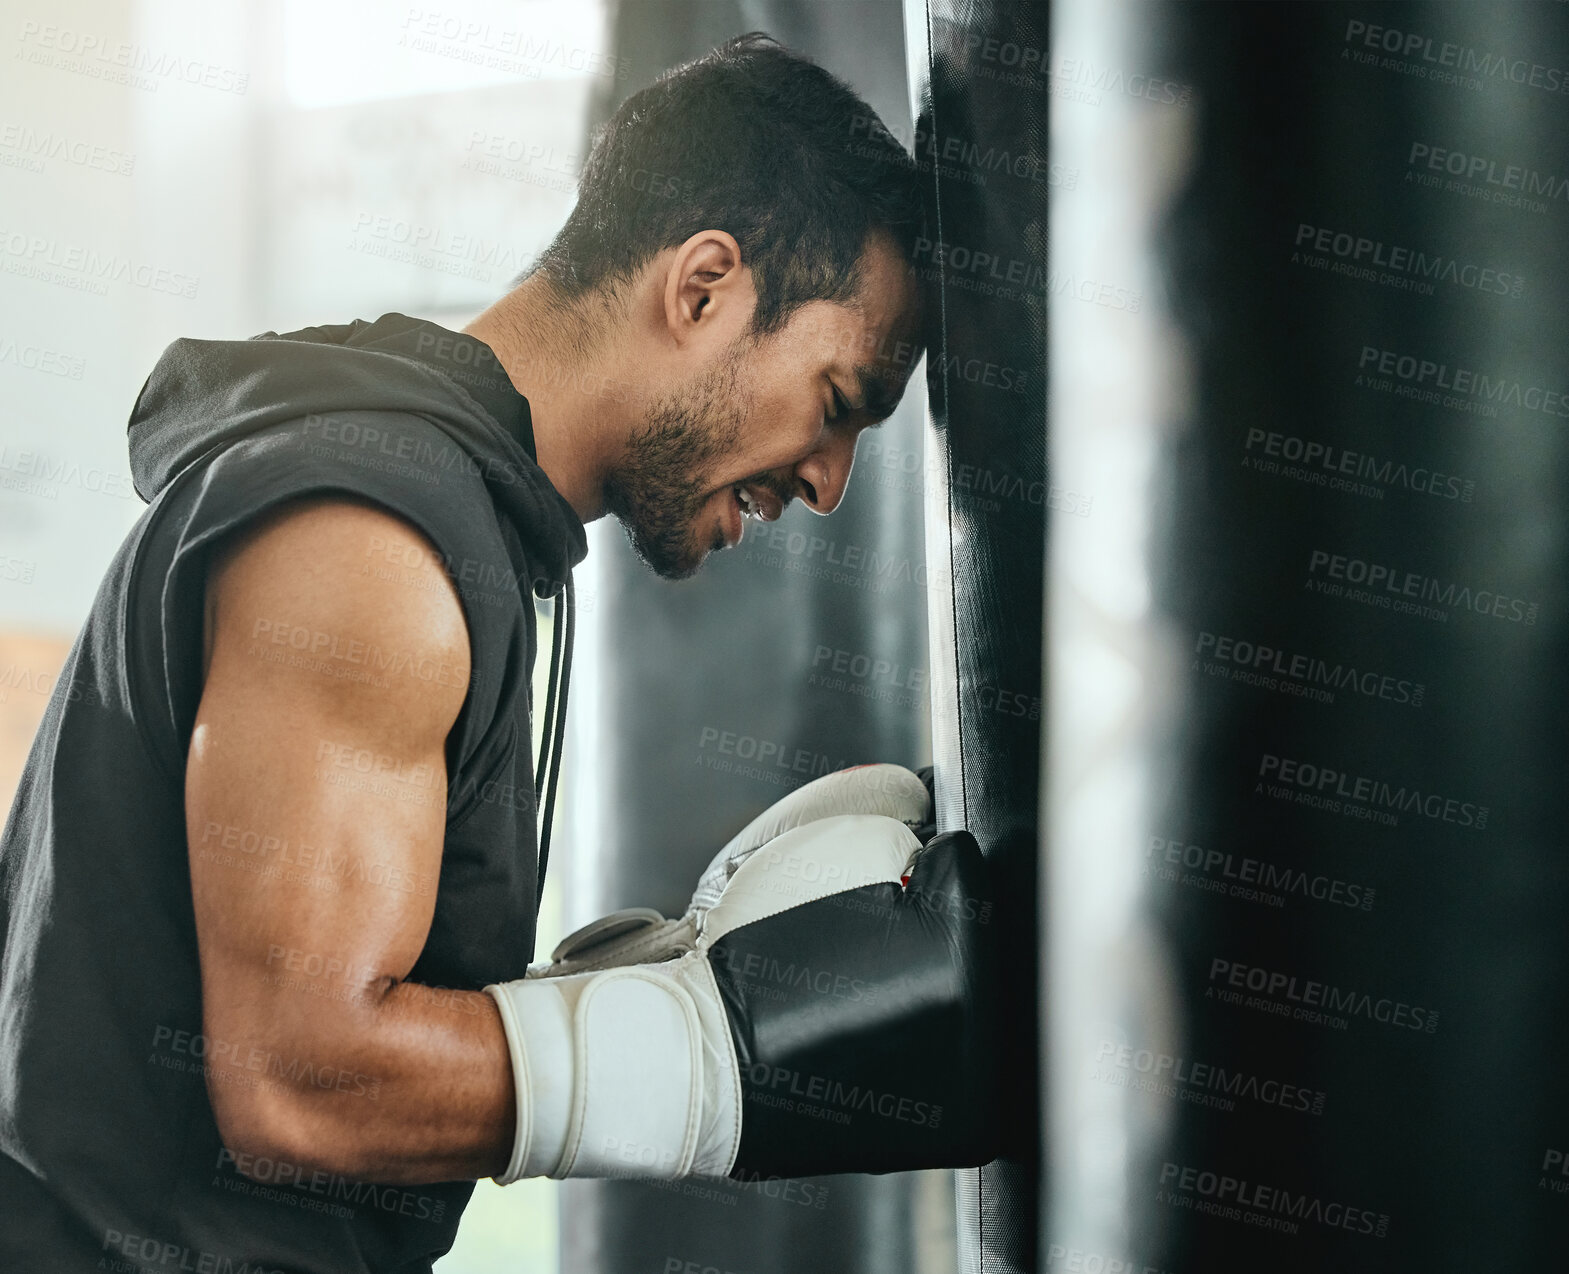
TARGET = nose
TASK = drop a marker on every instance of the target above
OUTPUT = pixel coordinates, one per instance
(823, 476)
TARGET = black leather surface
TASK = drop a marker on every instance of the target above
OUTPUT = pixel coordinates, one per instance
(865, 1024)
(986, 157)
(1423, 1015)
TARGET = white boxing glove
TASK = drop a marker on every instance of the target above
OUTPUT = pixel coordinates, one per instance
(641, 935)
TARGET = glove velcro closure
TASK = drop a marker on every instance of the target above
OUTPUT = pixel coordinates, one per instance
(637, 935)
(622, 1073)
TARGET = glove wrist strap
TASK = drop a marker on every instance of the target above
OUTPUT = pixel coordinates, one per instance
(621, 1073)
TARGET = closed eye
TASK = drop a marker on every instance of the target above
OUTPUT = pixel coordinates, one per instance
(841, 405)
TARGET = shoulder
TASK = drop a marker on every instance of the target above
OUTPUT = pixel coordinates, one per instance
(344, 592)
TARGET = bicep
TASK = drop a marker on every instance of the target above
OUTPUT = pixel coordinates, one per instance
(316, 781)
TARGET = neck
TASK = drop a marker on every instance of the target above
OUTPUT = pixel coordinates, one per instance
(560, 358)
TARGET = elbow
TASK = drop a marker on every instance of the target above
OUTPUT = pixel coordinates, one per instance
(272, 1137)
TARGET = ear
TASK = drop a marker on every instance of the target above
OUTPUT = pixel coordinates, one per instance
(708, 291)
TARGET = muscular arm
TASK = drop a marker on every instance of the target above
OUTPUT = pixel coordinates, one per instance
(315, 807)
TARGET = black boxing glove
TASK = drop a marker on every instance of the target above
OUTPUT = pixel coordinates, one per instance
(834, 1014)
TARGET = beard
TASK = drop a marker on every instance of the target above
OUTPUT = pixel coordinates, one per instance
(659, 488)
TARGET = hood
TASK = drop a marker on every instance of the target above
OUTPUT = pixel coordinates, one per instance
(204, 395)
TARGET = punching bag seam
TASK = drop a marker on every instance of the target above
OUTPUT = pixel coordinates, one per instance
(948, 494)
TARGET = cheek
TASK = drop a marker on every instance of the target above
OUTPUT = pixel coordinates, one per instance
(782, 413)
(798, 416)
(780, 425)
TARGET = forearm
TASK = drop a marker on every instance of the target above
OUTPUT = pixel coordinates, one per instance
(406, 1087)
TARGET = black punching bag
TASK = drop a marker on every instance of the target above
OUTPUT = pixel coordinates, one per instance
(978, 74)
(1309, 966)
(696, 705)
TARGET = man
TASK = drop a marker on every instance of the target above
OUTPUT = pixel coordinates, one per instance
(269, 879)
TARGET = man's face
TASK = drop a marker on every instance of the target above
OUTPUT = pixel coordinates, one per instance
(770, 420)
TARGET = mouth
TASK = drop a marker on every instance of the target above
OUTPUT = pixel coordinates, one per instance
(747, 502)
(757, 502)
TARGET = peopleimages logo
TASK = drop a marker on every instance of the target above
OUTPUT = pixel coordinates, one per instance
(37, 472)
(1381, 576)
(770, 978)
(1356, 255)
(1321, 779)
(1423, 379)
(119, 61)
(1478, 167)
(1316, 1000)
(982, 271)
(517, 49)
(1254, 879)
(797, 1090)
(1310, 1001)
(1555, 1162)
(1326, 464)
(1210, 1085)
(37, 358)
(1271, 1207)
(1255, 660)
(854, 565)
(285, 1177)
(1462, 57)
(200, 1054)
(51, 260)
(134, 1253)
(37, 147)
(955, 152)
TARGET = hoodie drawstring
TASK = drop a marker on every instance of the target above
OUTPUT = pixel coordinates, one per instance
(562, 623)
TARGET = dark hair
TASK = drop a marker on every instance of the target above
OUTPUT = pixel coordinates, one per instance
(755, 140)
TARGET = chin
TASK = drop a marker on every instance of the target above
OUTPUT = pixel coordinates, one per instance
(678, 570)
(669, 560)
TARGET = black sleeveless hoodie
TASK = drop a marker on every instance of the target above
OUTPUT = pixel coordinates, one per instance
(109, 1154)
